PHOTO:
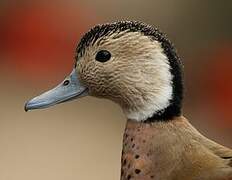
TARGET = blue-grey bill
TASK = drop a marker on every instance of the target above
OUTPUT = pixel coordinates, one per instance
(68, 90)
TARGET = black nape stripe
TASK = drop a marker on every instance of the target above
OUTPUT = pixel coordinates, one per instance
(174, 109)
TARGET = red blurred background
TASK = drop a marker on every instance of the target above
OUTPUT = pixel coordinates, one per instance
(37, 49)
(38, 39)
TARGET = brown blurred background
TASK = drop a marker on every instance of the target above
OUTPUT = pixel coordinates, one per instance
(82, 140)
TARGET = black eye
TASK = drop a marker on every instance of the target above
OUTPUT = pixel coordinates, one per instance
(103, 56)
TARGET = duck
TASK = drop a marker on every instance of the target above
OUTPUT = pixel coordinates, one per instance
(136, 66)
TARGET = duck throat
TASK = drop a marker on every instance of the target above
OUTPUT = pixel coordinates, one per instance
(145, 150)
(137, 160)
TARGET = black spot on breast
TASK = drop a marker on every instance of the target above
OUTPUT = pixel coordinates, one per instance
(137, 171)
(122, 172)
(124, 162)
(136, 156)
(129, 177)
(227, 157)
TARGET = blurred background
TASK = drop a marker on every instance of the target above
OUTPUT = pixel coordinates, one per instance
(82, 140)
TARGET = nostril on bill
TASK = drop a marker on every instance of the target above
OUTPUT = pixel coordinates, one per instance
(66, 82)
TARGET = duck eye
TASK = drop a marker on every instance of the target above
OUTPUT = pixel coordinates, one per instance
(103, 56)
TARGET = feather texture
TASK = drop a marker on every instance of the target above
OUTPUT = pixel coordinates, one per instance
(172, 150)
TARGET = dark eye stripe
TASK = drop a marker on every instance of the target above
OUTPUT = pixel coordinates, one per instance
(103, 56)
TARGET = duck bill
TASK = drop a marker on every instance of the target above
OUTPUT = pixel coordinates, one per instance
(68, 90)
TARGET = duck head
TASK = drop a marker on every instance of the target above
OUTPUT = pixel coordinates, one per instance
(130, 63)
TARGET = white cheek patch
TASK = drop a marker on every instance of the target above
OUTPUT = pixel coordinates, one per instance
(159, 99)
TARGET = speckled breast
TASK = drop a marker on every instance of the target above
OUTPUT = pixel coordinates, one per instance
(137, 158)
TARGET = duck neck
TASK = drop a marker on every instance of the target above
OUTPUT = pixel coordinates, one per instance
(135, 162)
(140, 157)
